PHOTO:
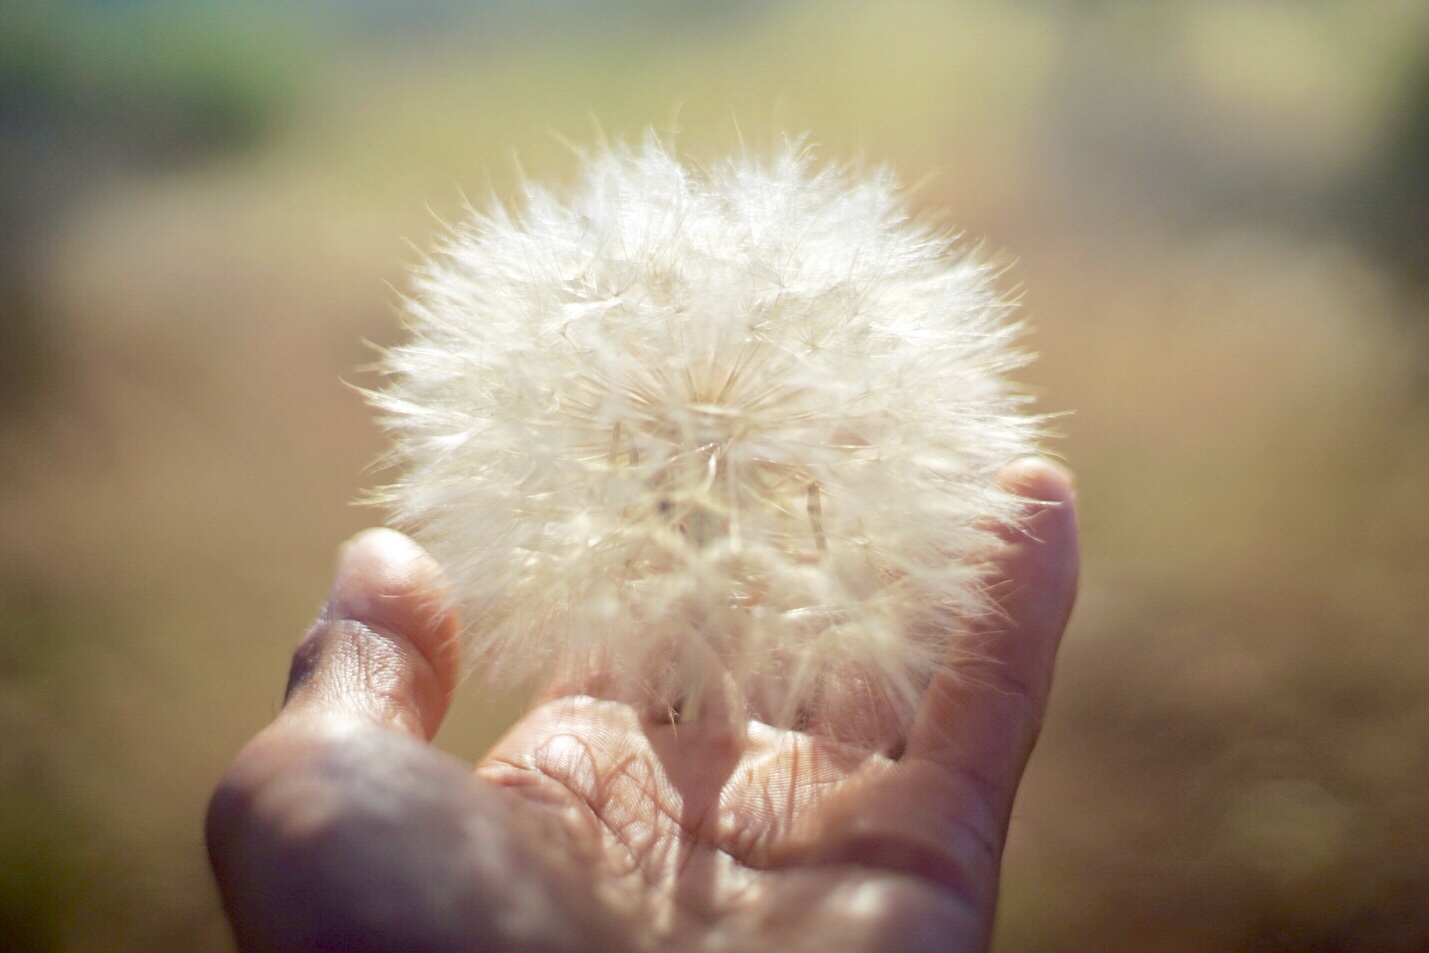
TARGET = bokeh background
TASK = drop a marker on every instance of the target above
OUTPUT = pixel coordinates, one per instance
(1220, 226)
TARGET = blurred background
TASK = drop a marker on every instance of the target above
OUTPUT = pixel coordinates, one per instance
(1217, 212)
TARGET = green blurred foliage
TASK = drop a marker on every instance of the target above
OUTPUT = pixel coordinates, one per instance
(194, 77)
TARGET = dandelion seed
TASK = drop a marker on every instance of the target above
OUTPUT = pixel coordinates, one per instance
(737, 426)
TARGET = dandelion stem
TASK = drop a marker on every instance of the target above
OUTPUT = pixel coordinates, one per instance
(816, 518)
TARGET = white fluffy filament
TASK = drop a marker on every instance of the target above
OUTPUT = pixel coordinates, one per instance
(733, 429)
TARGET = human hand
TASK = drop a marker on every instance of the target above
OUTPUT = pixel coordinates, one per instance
(593, 826)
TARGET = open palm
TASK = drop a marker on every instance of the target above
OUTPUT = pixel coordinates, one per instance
(594, 826)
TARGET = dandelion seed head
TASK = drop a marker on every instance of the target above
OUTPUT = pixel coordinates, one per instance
(697, 427)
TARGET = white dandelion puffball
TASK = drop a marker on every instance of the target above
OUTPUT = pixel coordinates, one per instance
(729, 429)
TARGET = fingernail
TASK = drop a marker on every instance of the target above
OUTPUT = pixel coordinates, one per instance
(1041, 480)
(373, 562)
(343, 593)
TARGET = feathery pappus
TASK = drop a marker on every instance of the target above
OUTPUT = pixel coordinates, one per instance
(732, 428)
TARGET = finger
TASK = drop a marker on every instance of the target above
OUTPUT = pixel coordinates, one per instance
(385, 647)
(940, 812)
(982, 717)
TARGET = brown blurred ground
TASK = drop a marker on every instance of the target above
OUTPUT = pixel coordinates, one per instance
(1217, 214)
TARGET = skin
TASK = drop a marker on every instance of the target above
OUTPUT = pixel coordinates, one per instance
(592, 826)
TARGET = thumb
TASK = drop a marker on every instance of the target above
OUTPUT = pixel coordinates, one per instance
(385, 647)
